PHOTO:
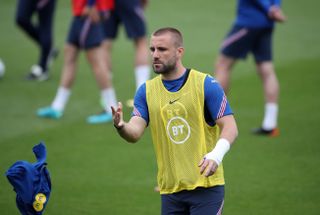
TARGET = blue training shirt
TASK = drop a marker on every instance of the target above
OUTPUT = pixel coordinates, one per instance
(254, 13)
(30, 181)
(216, 104)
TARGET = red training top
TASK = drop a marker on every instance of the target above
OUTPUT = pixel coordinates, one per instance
(101, 5)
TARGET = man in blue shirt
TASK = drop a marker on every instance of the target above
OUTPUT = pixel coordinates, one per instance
(192, 128)
(252, 33)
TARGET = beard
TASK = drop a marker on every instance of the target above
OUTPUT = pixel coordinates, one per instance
(162, 68)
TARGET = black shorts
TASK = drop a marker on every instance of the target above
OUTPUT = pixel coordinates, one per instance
(131, 14)
(84, 34)
(241, 40)
(198, 201)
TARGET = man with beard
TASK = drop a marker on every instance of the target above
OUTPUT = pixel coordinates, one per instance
(192, 128)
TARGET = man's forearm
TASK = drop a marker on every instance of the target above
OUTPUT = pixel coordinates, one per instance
(131, 131)
(229, 130)
(126, 131)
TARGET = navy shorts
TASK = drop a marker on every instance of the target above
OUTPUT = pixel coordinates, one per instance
(194, 202)
(131, 14)
(241, 40)
(84, 34)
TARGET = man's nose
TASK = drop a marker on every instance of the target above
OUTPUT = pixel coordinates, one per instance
(155, 54)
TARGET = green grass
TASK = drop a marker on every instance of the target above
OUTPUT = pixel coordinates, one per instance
(95, 172)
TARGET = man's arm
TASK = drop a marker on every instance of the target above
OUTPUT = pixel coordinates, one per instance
(130, 131)
(228, 127)
(228, 134)
(91, 11)
(273, 10)
(276, 14)
(144, 3)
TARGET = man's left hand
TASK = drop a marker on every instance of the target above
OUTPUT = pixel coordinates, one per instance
(207, 167)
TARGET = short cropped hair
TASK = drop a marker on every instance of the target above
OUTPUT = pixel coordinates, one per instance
(174, 32)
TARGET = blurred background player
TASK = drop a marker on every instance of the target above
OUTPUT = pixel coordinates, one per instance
(40, 32)
(252, 32)
(86, 32)
(131, 14)
(2, 68)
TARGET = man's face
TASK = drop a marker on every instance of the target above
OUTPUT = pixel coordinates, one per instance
(164, 53)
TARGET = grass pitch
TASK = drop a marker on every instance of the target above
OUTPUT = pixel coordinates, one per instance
(95, 172)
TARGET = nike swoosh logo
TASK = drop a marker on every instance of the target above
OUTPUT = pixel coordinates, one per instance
(173, 101)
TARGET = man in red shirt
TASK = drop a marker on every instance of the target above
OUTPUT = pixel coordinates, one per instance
(85, 32)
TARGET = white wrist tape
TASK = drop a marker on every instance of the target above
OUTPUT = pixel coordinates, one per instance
(221, 148)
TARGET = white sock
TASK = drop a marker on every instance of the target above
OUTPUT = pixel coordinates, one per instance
(270, 116)
(142, 74)
(61, 99)
(109, 99)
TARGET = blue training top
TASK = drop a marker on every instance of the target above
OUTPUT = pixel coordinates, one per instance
(254, 13)
(31, 182)
(215, 99)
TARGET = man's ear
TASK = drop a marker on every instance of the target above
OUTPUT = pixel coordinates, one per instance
(180, 51)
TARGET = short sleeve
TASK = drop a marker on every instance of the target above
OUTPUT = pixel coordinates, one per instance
(140, 107)
(216, 102)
